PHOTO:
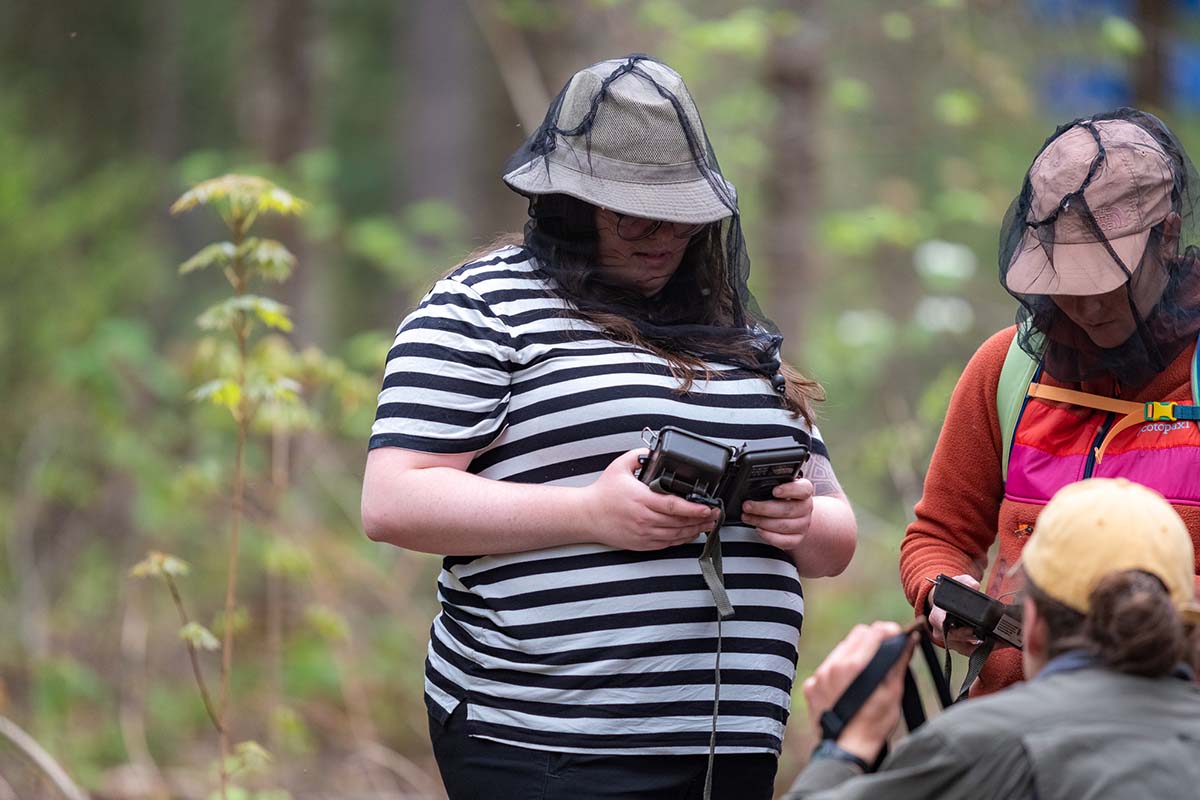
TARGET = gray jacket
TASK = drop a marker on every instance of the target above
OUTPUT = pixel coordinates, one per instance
(1070, 734)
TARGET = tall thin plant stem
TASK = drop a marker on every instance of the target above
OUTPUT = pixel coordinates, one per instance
(238, 273)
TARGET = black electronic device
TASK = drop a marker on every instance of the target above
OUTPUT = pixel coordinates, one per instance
(987, 617)
(689, 465)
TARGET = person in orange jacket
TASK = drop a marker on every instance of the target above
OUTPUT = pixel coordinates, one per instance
(1098, 250)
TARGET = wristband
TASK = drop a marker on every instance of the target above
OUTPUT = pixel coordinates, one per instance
(828, 748)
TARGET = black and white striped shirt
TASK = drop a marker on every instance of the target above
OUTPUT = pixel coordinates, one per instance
(585, 648)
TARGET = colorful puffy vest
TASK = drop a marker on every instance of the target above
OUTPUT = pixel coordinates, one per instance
(1156, 444)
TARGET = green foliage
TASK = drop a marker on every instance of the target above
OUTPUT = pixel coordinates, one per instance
(227, 314)
(860, 232)
(850, 94)
(239, 199)
(219, 254)
(287, 559)
(925, 121)
(897, 25)
(158, 565)
(327, 623)
(199, 637)
(957, 107)
(744, 33)
(1121, 36)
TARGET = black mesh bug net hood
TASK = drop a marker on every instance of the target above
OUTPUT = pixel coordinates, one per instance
(1099, 249)
(626, 136)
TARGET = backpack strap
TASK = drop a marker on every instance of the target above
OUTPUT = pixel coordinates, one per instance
(1016, 374)
(1196, 373)
(1020, 370)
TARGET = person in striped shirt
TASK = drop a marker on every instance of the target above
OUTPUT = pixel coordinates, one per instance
(574, 653)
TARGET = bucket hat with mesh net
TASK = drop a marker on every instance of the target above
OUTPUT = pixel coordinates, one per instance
(625, 135)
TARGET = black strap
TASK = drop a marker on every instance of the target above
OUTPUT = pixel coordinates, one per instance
(714, 578)
(941, 683)
(710, 558)
(834, 721)
(974, 666)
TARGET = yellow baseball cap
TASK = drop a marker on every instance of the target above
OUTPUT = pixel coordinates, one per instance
(1096, 527)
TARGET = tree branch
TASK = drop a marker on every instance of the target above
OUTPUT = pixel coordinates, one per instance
(518, 70)
(41, 759)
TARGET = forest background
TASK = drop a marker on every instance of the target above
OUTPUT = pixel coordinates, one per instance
(876, 145)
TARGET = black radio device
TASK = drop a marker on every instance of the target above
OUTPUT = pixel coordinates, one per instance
(987, 617)
(693, 466)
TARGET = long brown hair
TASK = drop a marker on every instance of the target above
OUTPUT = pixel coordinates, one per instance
(700, 295)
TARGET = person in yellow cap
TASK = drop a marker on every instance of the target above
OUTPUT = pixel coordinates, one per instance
(1098, 378)
(1110, 709)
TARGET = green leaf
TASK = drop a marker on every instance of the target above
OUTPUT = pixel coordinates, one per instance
(268, 258)
(897, 26)
(379, 240)
(223, 315)
(221, 392)
(850, 94)
(745, 33)
(328, 623)
(220, 254)
(280, 201)
(1121, 36)
(242, 193)
(199, 636)
(666, 14)
(251, 757)
(286, 558)
(273, 389)
(157, 565)
(291, 731)
(957, 107)
(240, 617)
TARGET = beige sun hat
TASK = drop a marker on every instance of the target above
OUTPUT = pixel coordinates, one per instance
(633, 156)
(1129, 194)
(1099, 526)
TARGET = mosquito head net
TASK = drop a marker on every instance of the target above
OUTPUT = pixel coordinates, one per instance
(1099, 250)
(625, 136)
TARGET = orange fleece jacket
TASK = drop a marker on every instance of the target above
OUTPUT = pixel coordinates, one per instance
(963, 511)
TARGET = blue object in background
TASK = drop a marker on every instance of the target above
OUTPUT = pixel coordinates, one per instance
(1073, 10)
(1069, 90)
(1183, 67)
(1077, 88)
(1068, 10)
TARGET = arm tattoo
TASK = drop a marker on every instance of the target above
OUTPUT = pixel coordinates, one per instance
(820, 472)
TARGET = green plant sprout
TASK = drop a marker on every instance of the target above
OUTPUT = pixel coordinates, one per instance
(251, 384)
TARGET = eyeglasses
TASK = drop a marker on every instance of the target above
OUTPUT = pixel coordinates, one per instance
(634, 229)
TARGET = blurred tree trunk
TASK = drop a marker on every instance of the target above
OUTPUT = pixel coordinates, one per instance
(160, 100)
(161, 125)
(791, 187)
(514, 103)
(277, 118)
(435, 124)
(1154, 19)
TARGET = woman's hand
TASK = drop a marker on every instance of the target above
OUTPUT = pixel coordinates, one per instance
(629, 515)
(785, 520)
(959, 639)
(868, 730)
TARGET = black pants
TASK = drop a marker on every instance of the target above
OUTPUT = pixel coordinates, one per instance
(480, 768)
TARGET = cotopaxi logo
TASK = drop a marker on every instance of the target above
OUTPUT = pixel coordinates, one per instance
(1163, 427)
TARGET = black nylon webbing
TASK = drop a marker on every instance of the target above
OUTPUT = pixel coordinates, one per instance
(834, 721)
